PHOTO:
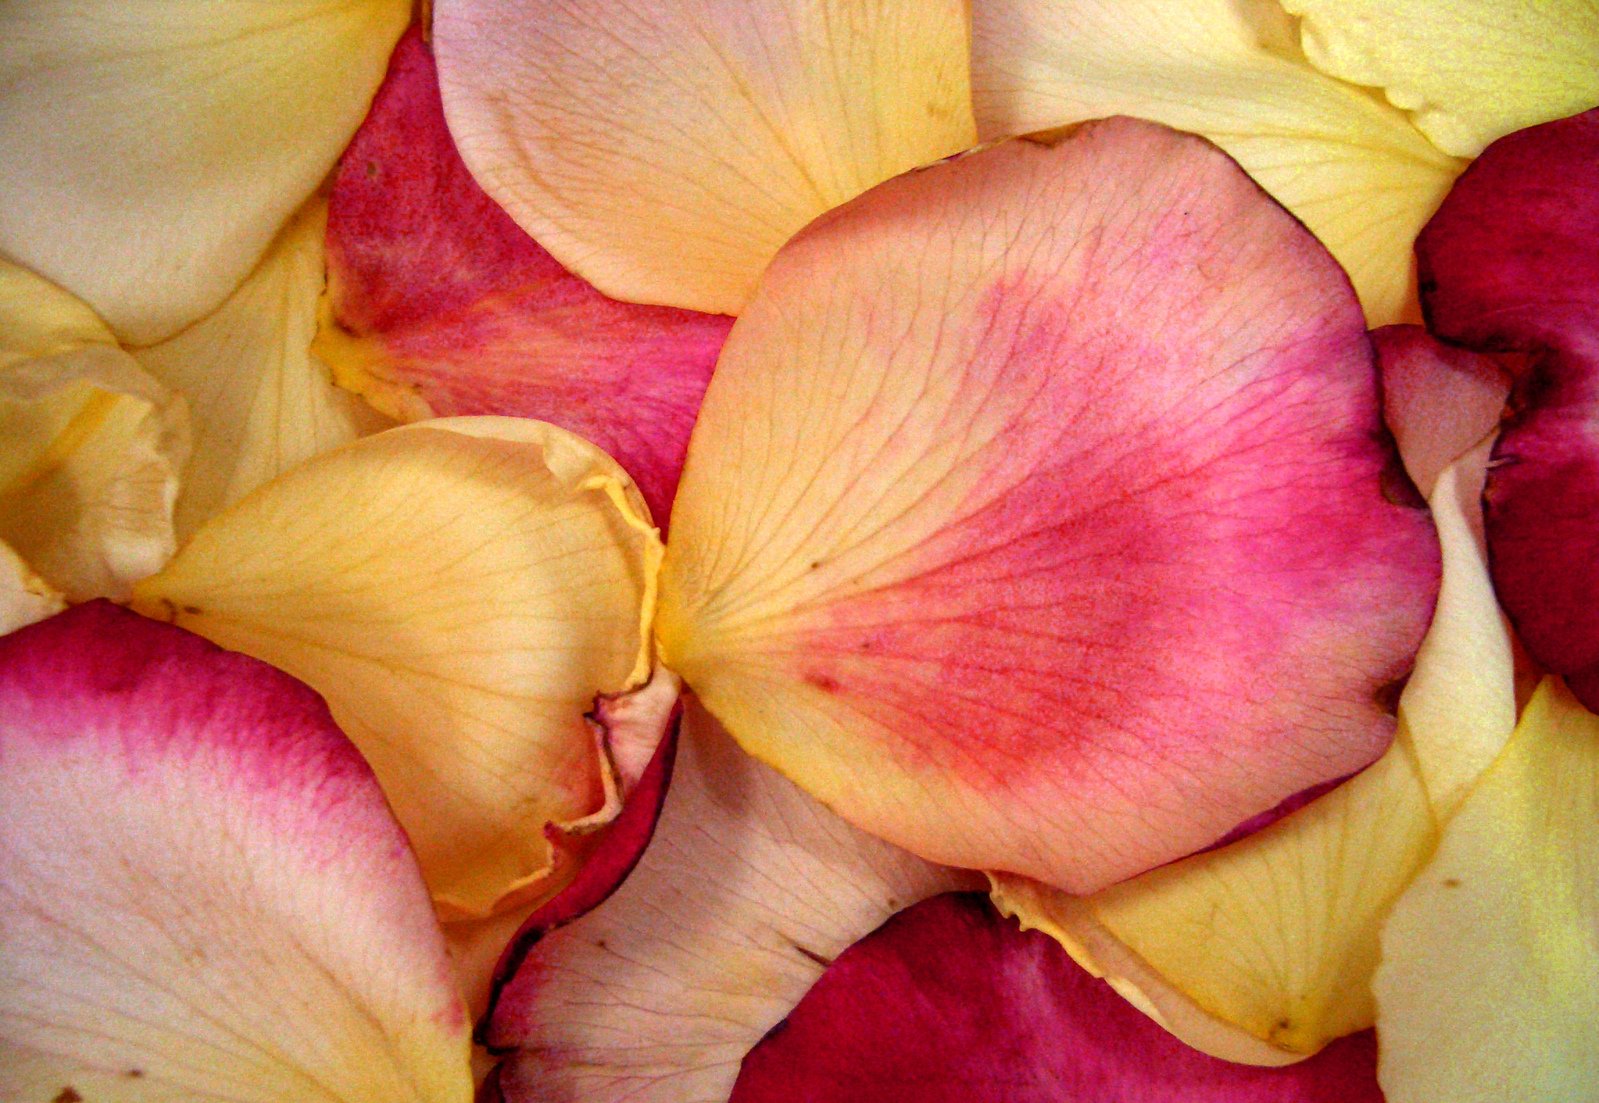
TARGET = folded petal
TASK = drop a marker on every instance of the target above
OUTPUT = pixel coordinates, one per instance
(220, 118)
(1489, 987)
(90, 445)
(746, 893)
(665, 150)
(1355, 170)
(24, 597)
(1468, 71)
(460, 591)
(949, 1002)
(202, 892)
(261, 402)
(1037, 517)
(1275, 937)
(439, 305)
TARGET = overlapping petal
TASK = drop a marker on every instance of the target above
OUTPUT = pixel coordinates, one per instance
(24, 597)
(1037, 516)
(665, 149)
(460, 591)
(1355, 170)
(202, 892)
(151, 149)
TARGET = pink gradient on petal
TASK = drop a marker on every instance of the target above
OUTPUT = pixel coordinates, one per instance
(438, 294)
(948, 1002)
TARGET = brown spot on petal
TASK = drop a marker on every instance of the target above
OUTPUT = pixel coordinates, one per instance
(67, 1095)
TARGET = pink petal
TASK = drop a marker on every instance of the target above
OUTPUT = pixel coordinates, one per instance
(949, 1003)
(441, 305)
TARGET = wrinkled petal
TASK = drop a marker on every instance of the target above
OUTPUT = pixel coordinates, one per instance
(746, 893)
(202, 892)
(665, 149)
(460, 591)
(1356, 171)
(949, 1003)
(24, 597)
(1509, 264)
(219, 117)
(1014, 473)
(1275, 936)
(261, 402)
(438, 304)
(1489, 987)
(90, 445)
(1468, 71)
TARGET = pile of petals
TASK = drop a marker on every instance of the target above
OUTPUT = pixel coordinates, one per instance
(829, 550)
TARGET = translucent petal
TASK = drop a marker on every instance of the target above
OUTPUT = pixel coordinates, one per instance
(220, 117)
(1354, 169)
(203, 895)
(460, 591)
(665, 149)
(24, 597)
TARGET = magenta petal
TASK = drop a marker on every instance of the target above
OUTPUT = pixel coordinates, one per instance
(948, 1002)
(441, 305)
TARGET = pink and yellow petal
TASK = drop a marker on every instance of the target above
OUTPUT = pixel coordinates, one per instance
(748, 890)
(221, 117)
(1489, 987)
(1356, 171)
(204, 893)
(1467, 71)
(460, 591)
(438, 304)
(665, 150)
(1016, 470)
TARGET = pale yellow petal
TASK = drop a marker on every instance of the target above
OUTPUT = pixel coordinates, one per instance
(1353, 168)
(24, 597)
(1468, 71)
(261, 402)
(665, 149)
(460, 591)
(150, 149)
(1489, 987)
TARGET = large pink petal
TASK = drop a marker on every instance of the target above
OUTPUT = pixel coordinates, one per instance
(949, 1003)
(438, 304)
(203, 895)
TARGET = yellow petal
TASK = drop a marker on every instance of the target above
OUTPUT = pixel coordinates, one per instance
(149, 151)
(460, 591)
(24, 597)
(1489, 987)
(1276, 936)
(90, 446)
(1354, 169)
(1468, 71)
(261, 402)
(665, 150)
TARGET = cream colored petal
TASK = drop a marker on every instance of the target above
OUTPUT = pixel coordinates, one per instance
(150, 149)
(90, 445)
(24, 597)
(261, 402)
(665, 149)
(1468, 71)
(460, 591)
(1353, 168)
(1489, 987)
(1275, 937)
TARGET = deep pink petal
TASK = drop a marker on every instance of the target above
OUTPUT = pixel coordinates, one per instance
(441, 305)
(949, 1003)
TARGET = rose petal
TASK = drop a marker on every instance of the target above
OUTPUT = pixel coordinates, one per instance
(1468, 71)
(220, 118)
(949, 1002)
(665, 150)
(25, 598)
(202, 893)
(1035, 519)
(1353, 169)
(460, 591)
(747, 891)
(439, 304)
(90, 446)
(1489, 987)
(261, 402)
